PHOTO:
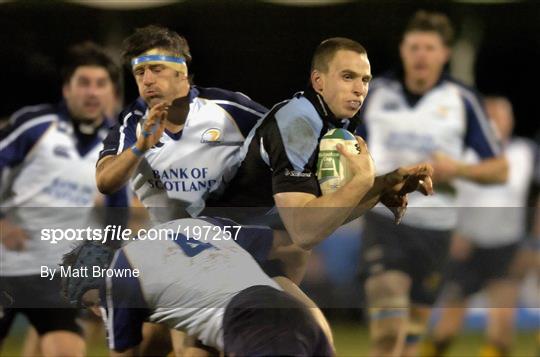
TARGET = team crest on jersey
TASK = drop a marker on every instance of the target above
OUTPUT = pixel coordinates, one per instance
(442, 111)
(211, 136)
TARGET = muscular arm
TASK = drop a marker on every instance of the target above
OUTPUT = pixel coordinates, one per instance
(488, 171)
(310, 219)
(113, 172)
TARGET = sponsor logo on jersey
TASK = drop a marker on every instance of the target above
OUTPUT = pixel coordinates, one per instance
(182, 179)
(211, 136)
(390, 106)
(295, 173)
(61, 151)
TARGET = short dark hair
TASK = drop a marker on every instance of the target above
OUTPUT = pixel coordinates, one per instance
(327, 49)
(426, 21)
(89, 54)
(153, 36)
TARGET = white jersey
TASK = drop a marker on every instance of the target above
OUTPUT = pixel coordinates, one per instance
(446, 119)
(46, 172)
(179, 172)
(495, 215)
(184, 283)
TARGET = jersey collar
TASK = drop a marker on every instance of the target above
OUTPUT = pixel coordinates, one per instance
(329, 119)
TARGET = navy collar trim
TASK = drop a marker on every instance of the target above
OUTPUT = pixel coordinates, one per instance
(328, 118)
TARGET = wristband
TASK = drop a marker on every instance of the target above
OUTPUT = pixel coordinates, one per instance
(136, 151)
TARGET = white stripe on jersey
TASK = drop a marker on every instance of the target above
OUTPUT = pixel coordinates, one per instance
(24, 110)
(484, 124)
(29, 124)
(122, 135)
(234, 104)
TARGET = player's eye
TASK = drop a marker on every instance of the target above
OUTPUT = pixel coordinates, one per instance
(347, 76)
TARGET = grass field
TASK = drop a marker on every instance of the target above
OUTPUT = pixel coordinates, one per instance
(351, 340)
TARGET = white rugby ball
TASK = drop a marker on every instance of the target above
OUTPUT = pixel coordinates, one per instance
(332, 169)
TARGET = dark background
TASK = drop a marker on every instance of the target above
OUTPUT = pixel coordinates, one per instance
(264, 49)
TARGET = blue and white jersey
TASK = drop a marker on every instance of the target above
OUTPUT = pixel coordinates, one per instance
(46, 172)
(178, 173)
(184, 283)
(495, 215)
(447, 119)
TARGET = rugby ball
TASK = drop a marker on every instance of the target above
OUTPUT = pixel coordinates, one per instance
(333, 169)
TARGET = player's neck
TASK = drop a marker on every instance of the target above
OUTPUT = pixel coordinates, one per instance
(173, 128)
(420, 87)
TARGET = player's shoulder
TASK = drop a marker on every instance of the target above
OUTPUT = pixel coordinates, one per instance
(226, 97)
(133, 112)
(388, 80)
(299, 116)
(466, 91)
(36, 118)
(296, 110)
(32, 113)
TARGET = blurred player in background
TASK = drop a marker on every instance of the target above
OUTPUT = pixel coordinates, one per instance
(491, 226)
(47, 160)
(419, 114)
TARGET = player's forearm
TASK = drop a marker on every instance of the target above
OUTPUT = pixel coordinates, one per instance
(319, 217)
(490, 171)
(370, 199)
(113, 172)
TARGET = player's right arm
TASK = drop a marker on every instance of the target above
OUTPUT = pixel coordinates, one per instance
(310, 219)
(114, 171)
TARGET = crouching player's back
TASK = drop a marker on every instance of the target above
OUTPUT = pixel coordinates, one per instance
(198, 278)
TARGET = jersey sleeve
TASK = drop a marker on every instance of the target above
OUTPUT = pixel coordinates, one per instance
(126, 310)
(21, 134)
(479, 135)
(123, 135)
(292, 149)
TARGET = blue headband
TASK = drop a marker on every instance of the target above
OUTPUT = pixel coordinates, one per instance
(157, 58)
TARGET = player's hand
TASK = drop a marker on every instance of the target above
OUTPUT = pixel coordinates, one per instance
(12, 236)
(153, 127)
(402, 181)
(445, 168)
(361, 164)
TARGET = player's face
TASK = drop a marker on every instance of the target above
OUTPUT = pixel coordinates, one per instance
(424, 55)
(87, 93)
(345, 85)
(158, 83)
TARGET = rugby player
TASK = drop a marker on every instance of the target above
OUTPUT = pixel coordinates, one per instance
(415, 115)
(47, 160)
(208, 285)
(491, 227)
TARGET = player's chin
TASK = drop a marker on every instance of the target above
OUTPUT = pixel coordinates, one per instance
(349, 112)
(153, 100)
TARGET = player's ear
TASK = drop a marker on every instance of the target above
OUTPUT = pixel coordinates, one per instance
(317, 81)
(65, 89)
